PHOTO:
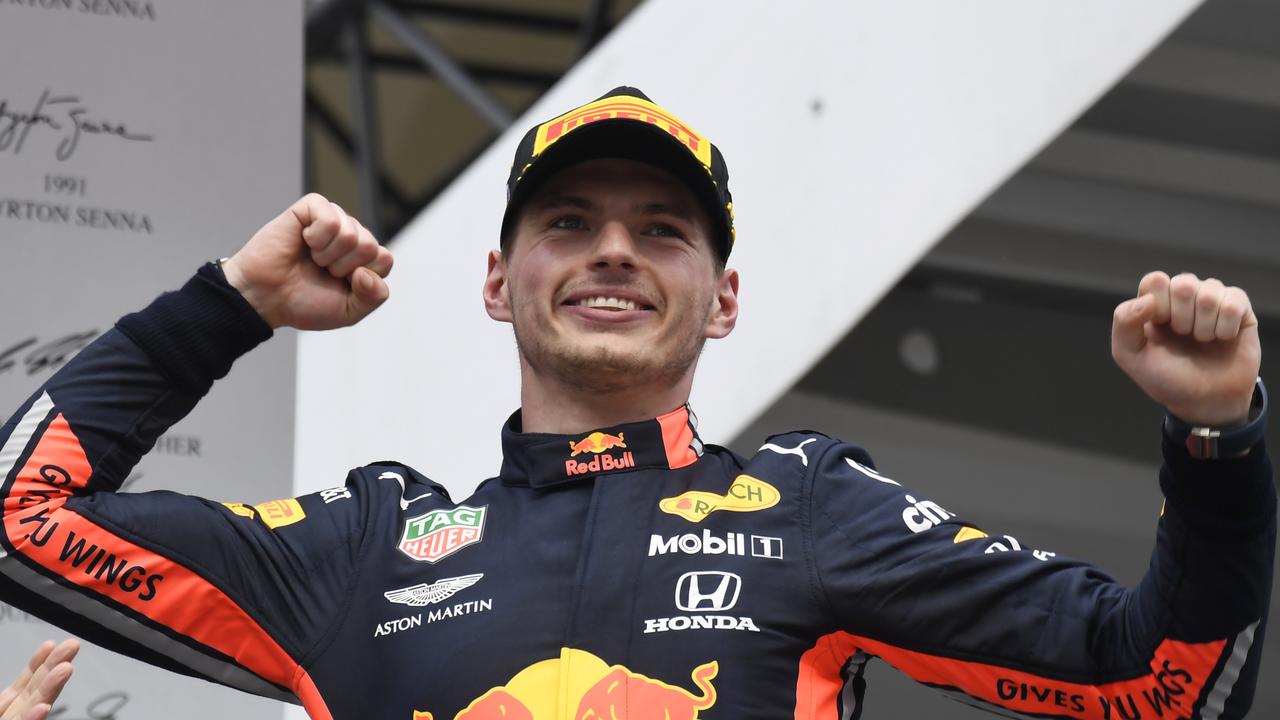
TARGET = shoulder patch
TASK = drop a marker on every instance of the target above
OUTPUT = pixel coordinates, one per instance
(273, 513)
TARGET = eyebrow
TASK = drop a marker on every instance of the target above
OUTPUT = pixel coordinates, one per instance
(677, 210)
(576, 201)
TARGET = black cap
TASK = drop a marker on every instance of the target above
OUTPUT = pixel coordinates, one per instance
(624, 123)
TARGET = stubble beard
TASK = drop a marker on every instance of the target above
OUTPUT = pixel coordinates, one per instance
(601, 369)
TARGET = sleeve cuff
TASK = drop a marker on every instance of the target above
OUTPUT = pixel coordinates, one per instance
(1228, 497)
(194, 334)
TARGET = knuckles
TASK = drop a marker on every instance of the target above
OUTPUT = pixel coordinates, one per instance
(1153, 281)
(1207, 301)
(365, 253)
(328, 224)
(345, 241)
(1117, 315)
(1184, 286)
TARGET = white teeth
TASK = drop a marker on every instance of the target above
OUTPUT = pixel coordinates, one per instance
(608, 303)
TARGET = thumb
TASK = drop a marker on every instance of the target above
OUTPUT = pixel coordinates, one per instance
(368, 291)
(1128, 325)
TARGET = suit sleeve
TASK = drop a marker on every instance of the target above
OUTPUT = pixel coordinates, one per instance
(1021, 631)
(231, 593)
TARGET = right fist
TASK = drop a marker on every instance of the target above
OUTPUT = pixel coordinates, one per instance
(314, 267)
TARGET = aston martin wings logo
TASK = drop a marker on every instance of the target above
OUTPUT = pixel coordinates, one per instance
(425, 594)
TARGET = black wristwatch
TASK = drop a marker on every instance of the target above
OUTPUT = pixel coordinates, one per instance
(217, 266)
(1210, 443)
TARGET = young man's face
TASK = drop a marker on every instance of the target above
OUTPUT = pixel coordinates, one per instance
(610, 279)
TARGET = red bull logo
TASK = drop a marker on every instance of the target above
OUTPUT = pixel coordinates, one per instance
(597, 443)
(601, 692)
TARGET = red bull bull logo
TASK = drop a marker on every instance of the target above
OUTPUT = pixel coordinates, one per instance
(597, 444)
(599, 691)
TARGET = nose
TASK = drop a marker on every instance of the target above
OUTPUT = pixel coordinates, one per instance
(614, 246)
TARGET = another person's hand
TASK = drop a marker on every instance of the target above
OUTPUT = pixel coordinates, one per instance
(1191, 345)
(314, 267)
(31, 695)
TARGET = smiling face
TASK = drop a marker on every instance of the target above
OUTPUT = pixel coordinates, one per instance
(610, 279)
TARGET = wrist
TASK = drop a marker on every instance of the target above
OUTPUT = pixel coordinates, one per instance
(1235, 437)
(235, 277)
(1228, 414)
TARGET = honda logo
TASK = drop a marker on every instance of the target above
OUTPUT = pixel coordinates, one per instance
(707, 591)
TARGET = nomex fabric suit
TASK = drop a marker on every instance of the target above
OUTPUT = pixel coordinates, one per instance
(630, 572)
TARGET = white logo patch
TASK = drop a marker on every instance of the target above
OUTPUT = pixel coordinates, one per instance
(707, 591)
(710, 544)
(790, 451)
(924, 515)
(425, 594)
(404, 502)
(334, 494)
(1012, 545)
(870, 473)
(766, 547)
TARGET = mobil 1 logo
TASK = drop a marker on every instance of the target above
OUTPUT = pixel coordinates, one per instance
(709, 543)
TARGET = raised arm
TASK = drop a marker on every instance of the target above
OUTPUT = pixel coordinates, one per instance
(192, 585)
(996, 622)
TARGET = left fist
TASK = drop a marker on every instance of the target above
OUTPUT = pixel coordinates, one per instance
(1191, 345)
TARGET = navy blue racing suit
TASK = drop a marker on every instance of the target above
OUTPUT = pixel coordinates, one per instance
(627, 572)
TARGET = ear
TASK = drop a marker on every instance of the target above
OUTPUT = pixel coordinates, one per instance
(496, 301)
(724, 312)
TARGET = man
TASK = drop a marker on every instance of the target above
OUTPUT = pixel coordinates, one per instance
(617, 567)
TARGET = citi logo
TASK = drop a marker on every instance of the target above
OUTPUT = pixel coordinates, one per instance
(923, 515)
(707, 591)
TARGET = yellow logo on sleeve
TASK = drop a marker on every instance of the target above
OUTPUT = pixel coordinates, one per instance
(968, 533)
(274, 513)
(240, 509)
(278, 513)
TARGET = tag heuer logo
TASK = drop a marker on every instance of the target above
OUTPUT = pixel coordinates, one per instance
(441, 533)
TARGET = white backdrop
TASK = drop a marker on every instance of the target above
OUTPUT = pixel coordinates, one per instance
(137, 140)
(856, 134)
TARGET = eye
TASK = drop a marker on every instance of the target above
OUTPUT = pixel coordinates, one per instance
(664, 230)
(569, 222)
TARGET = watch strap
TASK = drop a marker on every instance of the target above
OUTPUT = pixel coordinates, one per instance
(1205, 442)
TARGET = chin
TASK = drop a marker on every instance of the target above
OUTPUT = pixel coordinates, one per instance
(606, 362)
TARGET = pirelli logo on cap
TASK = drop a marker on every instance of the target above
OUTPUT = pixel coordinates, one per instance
(627, 108)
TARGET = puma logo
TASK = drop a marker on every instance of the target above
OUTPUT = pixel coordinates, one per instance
(790, 451)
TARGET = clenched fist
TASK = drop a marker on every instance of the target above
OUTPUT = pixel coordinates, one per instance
(314, 267)
(1191, 345)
